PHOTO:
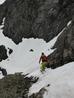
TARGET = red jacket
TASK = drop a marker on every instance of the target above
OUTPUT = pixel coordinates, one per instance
(43, 58)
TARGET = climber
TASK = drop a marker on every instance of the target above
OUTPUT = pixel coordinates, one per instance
(44, 60)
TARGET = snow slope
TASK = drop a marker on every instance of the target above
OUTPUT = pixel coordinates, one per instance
(61, 80)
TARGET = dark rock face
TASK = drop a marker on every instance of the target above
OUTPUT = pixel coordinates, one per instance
(35, 18)
(64, 45)
(15, 86)
(3, 53)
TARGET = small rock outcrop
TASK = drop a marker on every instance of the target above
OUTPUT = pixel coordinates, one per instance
(10, 51)
(3, 53)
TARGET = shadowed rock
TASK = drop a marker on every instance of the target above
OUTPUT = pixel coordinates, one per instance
(64, 45)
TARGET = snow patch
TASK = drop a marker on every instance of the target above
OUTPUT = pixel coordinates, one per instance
(69, 23)
(2, 1)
